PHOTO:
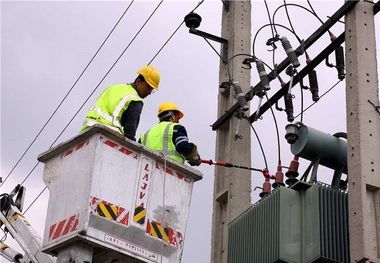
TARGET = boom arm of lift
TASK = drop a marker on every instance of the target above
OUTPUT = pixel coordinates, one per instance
(16, 224)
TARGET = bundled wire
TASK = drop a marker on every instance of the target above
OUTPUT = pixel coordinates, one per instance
(97, 86)
(319, 98)
(43, 190)
(175, 31)
(67, 94)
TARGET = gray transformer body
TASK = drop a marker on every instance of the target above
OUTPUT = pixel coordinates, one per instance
(315, 145)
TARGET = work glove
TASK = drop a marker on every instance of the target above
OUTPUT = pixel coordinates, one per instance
(193, 157)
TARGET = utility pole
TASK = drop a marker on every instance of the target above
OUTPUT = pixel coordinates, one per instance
(232, 187)
(363, 126)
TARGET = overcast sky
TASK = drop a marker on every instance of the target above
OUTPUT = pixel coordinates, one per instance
(45, 46)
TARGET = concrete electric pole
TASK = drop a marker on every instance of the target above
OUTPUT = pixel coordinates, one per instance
(363, 128)
(232, 187)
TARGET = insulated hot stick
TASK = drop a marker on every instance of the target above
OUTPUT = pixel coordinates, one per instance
(266, 186)
(230, 165)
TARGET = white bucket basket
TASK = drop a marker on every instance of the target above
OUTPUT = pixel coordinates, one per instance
(115, 194)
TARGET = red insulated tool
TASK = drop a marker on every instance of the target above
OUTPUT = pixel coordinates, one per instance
(230, 165)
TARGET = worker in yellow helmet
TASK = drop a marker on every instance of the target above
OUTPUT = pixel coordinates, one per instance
(170, 137)
(120, 105)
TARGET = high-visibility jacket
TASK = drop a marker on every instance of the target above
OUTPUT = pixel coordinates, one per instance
(110, 106)
(160, 138)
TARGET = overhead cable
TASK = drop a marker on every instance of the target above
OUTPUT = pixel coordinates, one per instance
(310, 11)
(175, 31)
(100, 82)
(35, 199)
(270, 22)
(269, 17)
(315, 13)
(90, 96)
(67, 94)
(264, 26)
(319, 98)
(264, 84)
(261, 146)
(80, 108)
(30, 172)
(273, 115)
(229, 62)
(287, 15)
(296, 5)
(290, 22)
(277, 132)
(148, 64)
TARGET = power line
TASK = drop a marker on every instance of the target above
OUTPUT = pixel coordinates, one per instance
(30, 172)
(261, 146)
(288, 16)
(275, 124)
(35, 199)
(35, 166)
(302, 7)
(266, 25)
(38, 196)
(80, 108)
(270, 22)
(113, 65)
(67, 94)
(175, 31)
(277, 132)
(315, 13)
(320, 97)
(90, 96)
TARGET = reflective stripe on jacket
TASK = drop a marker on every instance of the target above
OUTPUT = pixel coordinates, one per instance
(160, 138)
(110, 106)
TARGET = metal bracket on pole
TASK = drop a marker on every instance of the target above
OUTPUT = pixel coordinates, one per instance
(192, 21)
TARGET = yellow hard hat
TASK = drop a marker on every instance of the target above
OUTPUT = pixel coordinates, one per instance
(169, 106)
(151, 76)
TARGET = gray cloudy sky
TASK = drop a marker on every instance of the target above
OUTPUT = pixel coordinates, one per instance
(46, 44)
